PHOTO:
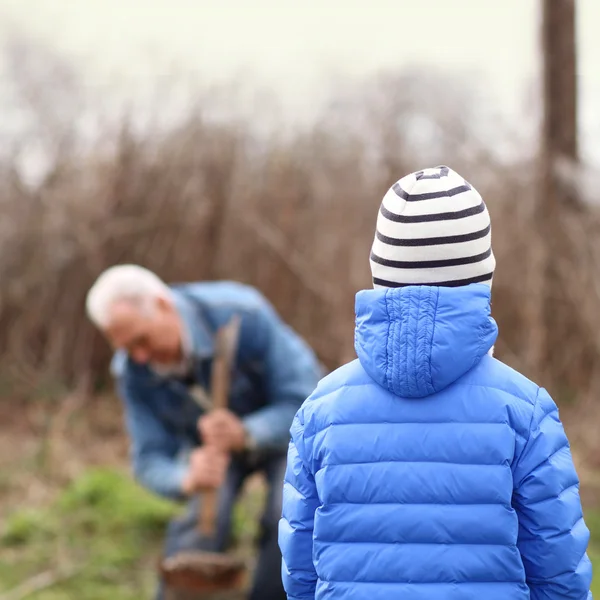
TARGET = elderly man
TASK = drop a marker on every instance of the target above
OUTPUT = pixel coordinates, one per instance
(164, 340)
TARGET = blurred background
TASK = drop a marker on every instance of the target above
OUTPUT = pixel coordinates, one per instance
(210, 139)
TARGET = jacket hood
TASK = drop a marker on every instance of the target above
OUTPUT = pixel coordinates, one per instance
(416, 341)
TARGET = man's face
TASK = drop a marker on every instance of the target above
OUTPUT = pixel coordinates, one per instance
(147, 334)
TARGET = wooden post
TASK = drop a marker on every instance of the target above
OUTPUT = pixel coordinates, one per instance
(560, 79)
(558, 141)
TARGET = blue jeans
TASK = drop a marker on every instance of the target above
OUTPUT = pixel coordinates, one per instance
(183, 534)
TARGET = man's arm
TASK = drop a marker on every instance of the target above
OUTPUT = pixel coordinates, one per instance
(300, 502)
(291, 372)
(553, 537)
(153, 447)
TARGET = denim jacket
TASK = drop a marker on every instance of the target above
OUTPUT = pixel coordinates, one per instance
(274, 372)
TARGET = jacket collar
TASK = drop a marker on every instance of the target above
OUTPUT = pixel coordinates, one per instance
(197, 339)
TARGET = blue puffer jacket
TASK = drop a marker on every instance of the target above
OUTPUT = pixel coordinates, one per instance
(428, 470)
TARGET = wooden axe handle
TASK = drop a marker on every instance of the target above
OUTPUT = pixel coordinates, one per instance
(225, 352)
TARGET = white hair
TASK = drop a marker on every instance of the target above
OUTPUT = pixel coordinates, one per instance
(123, 282)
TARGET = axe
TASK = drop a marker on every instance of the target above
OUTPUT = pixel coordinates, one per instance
(225, 351)
(191, 575)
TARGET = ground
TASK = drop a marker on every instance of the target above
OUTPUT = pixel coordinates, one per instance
(73, 524)
(72, 521)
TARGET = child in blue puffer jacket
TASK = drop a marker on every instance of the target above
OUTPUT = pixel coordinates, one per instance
(427, 469)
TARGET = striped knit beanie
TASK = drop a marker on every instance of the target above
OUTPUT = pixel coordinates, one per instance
(433, 228)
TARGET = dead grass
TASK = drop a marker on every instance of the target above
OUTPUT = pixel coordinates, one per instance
(292, 213)
(37, 459)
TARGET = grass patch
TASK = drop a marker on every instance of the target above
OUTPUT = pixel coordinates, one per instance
(107, 528)
(104, 526)
(592, 519)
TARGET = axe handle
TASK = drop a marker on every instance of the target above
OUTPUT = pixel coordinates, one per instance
(220, 380)
(209, 506)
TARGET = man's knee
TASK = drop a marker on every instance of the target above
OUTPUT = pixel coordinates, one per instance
(271, 517)
(184, 534)
(275, 476)
(272, 512)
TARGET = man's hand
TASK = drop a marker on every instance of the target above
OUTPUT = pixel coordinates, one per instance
(208, 467)
(223, 430)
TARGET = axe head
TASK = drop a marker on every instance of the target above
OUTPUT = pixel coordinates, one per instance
(207, 572)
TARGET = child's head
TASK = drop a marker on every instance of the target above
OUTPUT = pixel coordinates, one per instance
(433, 228)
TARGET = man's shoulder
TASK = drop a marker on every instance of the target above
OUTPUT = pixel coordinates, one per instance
(221, 293)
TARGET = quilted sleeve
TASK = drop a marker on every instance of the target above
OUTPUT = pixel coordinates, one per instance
(553, 537)
(300, 501)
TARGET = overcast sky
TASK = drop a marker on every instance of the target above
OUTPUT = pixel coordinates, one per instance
(294, 46)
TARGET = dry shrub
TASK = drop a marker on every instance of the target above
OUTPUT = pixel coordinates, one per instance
(293, 214)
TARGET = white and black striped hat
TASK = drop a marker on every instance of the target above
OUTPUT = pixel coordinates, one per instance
(433, 228)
